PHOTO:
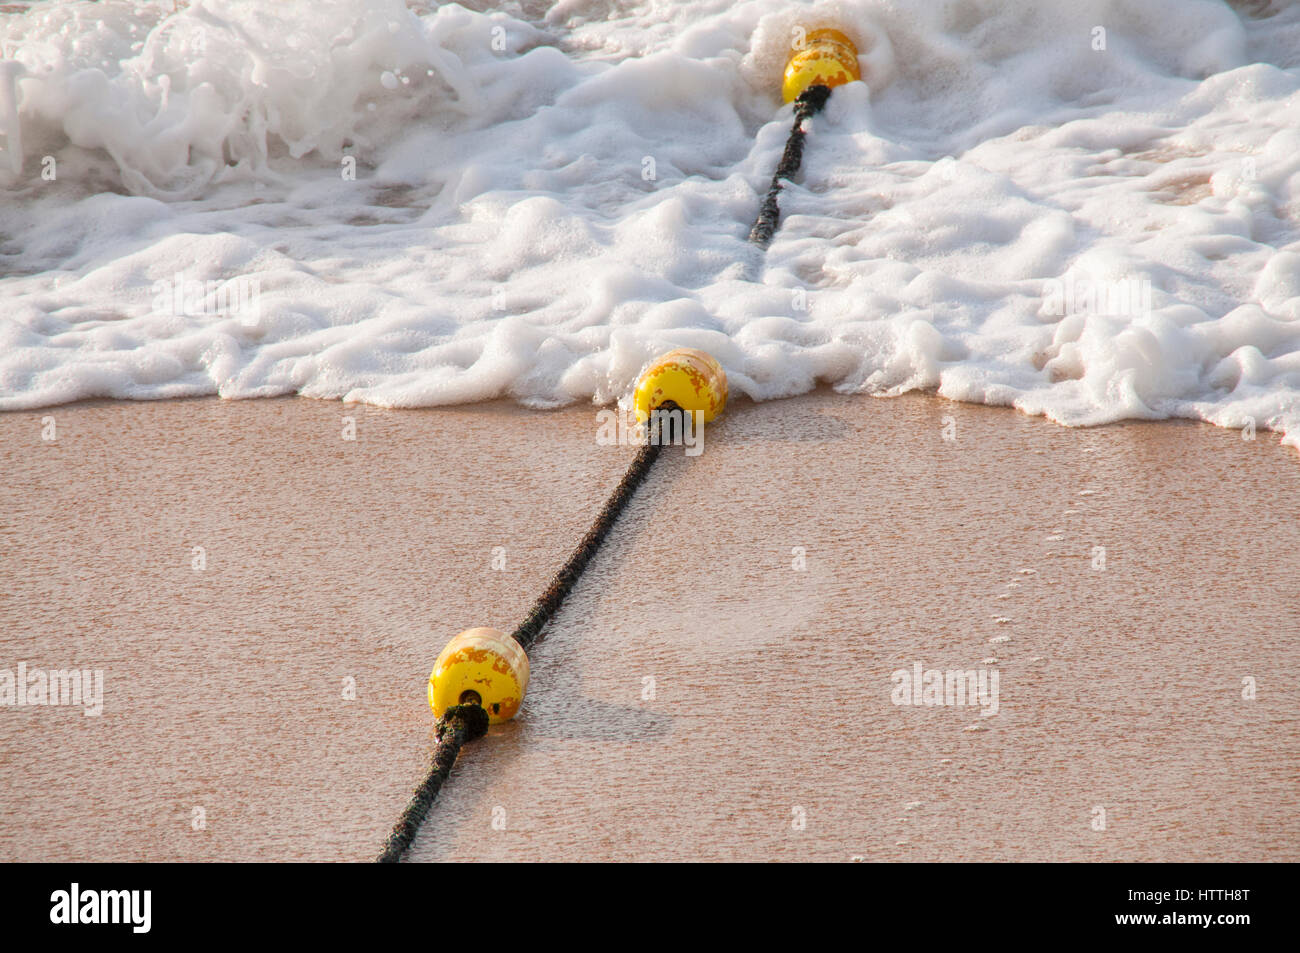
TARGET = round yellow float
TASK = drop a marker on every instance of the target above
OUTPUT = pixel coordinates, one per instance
(484, 667)
(689, 378)
(828, 58)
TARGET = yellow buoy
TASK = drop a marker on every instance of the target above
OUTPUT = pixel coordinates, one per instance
(828, 58)
(482, 667)
(689, 378)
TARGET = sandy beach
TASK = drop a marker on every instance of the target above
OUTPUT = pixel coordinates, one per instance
(265, 599)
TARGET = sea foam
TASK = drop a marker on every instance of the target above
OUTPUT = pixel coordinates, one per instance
(1087, 209)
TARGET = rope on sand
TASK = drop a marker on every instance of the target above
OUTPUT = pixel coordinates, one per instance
(531, 628)
(460, 724)
(463, 723)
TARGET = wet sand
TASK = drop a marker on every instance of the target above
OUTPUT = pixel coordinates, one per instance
(698, 697)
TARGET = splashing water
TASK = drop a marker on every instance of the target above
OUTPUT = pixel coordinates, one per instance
(1083, 208)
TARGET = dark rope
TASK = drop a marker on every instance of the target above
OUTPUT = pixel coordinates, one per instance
(459, 724)
(809, 103)
(547, 605)
(463, 723)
